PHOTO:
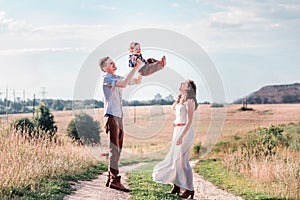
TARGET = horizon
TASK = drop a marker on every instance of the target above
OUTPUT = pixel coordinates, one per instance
(11, 98)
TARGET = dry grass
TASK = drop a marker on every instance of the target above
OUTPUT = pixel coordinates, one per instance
(277, 175)
(152, 132)
(155, 122)
(25, 163)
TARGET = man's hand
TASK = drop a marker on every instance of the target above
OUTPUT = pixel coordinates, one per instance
(129, 78)
(139, 62)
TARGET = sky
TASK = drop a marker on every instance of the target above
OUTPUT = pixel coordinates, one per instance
(43, 44)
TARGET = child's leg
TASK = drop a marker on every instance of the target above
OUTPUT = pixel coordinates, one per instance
(150, 68)
(152, 60)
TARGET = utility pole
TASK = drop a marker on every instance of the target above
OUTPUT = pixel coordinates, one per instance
(6, 104)
(33, 109)
(23, 101)
(14, 94)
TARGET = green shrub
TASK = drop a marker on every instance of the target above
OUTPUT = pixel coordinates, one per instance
(236, 137)
(264, 143)
(44, 120)
(84, 129)
(197, 148)
(41, 125)
(221, 146)
(270, 138)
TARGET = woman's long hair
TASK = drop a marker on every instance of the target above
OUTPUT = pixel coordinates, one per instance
(191, 94)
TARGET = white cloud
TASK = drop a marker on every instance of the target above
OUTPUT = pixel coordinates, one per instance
(236, 25)
(234, 17)
(70, 30)
(268, 10)
(274, 25)
(75, 32)
(175, 5)
(219, 40)
(290, 7)
(14, 52)
(245, 26)
(104, 7)
(140, 14)
(11, 25)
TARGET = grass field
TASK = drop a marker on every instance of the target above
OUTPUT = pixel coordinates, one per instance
(148, 135)
(151, 133)
(236, 121)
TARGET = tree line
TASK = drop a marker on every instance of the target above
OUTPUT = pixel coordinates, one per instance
(11, 107)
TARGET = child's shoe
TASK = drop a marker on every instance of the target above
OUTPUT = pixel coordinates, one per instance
(163, 61)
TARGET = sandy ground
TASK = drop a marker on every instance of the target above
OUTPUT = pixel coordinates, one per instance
(205, 190)
(96, 189)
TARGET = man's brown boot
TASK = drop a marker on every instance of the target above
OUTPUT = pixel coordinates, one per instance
(116, 184)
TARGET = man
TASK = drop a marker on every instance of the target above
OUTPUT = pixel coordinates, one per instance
(112, 89)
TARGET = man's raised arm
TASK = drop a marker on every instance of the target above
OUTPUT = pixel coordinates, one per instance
(129, 78)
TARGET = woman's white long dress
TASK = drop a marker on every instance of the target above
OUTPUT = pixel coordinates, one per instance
(175, 168)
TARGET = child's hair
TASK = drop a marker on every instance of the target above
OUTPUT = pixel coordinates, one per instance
(191, 94)
(132, 45)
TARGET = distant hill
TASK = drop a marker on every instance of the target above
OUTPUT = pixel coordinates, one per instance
(274, 94)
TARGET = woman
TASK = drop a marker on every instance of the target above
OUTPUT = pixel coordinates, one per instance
(175, 168)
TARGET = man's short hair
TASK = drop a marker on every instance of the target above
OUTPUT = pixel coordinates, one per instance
(102, 62)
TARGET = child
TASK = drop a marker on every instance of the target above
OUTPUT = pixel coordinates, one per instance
(150, 66)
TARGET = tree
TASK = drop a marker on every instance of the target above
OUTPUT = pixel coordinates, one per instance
(170, 98)
(157, 97)
(18, 106)
(57, 105)
(84, 129)
(44, 120)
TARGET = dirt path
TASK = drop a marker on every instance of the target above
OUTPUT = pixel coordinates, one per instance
(205, 190)
(96, 189)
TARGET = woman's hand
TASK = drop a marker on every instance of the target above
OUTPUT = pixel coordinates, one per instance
(179, 141)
